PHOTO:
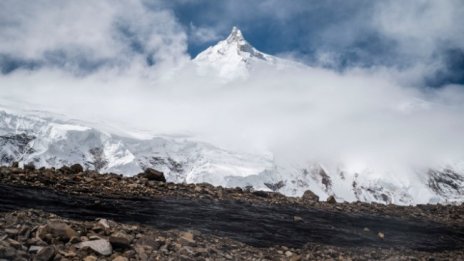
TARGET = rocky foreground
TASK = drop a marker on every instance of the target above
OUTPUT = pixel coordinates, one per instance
(72, 214)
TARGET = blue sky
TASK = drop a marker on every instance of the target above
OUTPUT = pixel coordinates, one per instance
(347, 31)
(336, 34)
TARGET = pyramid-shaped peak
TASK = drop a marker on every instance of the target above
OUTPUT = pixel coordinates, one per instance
(236, 35)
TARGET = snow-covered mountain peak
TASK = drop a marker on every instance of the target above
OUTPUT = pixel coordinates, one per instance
(236, 36)
(237, 43)
(233, 57)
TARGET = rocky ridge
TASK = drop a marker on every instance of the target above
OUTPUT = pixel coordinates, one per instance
(150, 183)
(37, 235)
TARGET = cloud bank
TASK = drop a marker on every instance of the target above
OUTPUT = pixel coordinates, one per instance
(87, 35)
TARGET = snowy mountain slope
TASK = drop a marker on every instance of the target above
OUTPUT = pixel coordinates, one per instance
(234, 57)
(54, 143)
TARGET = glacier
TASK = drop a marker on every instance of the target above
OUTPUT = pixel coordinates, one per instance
(53, 142)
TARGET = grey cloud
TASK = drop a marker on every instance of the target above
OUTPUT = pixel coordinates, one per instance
(85, 34)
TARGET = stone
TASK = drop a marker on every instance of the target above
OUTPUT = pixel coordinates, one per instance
(120, 240)
(61, 230)
(152, 174)
(104, 223)
(68, 254)
(101, 246)
(120, 258)
(45, 254)
(14, 243)
(74, 240)
(288, 253)
(11, 232)
(331, 200)
(140, 250)
(90, 258)
(310, 196)
(149, 241)
(76, 168)
(35, 249)
(187, 237)
(29, 166)
(65, 170)
(7, 252)
(381, 235)
(260, 193)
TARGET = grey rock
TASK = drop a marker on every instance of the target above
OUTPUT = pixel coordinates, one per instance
(152, 174)
(45, 254)
(310, 196)
(101, 246)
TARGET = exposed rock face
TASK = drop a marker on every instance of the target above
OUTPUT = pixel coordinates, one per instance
(15, 145)
(446, 183)
(275, 186)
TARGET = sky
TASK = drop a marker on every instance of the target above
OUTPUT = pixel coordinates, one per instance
(384, 81)
(335, 34)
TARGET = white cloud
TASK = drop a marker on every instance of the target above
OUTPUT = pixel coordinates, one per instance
(203, 34)
(95, 30)
(421, 27)
(363, 116)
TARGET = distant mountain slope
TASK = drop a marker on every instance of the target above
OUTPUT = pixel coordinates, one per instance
(54, 143)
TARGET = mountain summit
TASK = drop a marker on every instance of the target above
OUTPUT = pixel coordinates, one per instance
(234, 57)
(236, 41)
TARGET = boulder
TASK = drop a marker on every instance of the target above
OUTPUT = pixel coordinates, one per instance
(45, 254)
(152, 174)
(65, 170)
(331, 200)
(61, 230)
(187, 238)
(120, 240)
(101, 246)
(260, 193)
(29, 166)
(309, 196)
(76, 168)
